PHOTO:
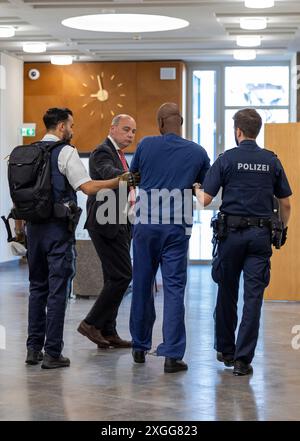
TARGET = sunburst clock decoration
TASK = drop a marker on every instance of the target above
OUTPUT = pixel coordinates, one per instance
(108, 88)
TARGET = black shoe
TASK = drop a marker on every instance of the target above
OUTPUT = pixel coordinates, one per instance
(173, 365)
(242, 368)
(227, 359)
(54, 363)
(33, 357)
(139, 356)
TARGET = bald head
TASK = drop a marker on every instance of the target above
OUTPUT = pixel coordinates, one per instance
(169, 119)
(116, 119)
(122, 130)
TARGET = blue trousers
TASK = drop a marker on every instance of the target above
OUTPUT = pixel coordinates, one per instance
(51, 261)
(248, 250)
(155, 245)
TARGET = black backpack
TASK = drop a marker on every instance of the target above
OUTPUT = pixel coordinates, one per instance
(29, 178)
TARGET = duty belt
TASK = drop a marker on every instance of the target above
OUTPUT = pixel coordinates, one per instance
(245, 222)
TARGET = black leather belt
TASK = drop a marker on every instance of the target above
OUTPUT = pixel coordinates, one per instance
(245, 222)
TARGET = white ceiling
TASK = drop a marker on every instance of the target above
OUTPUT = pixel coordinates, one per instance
(210, 36)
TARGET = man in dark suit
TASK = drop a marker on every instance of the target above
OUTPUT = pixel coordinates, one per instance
(111, 240)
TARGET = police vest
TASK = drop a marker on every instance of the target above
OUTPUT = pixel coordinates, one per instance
(62, 190)
(249, 179)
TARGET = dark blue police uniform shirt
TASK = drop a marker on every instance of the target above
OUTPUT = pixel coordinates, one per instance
(249, 176)
(169, 162)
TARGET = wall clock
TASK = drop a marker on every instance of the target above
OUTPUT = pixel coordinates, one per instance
(103, 95)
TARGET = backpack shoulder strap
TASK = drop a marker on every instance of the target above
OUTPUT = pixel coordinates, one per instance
(50, 145)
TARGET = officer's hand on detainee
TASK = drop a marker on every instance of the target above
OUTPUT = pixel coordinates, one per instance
(196, 186)
(284, 236)
(132, 179)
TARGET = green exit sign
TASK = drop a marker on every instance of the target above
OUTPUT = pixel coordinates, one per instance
(27, 131)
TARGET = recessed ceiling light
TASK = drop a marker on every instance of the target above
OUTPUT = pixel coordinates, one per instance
(244, 54)
(34, 47)
(61, 60)
(7, 31)
(253, 23)
(259, 4)
(248, 40)
(135, 23)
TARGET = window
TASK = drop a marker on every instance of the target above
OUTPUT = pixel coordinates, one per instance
(264, 87)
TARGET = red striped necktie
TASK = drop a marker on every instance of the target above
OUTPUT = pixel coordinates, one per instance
(123, 160)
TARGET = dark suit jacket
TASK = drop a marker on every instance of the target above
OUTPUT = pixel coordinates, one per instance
(104, 163)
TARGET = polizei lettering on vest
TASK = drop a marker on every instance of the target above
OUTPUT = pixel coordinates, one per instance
(253, 167)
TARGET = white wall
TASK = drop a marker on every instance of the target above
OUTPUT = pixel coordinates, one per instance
(294, 88)
(11, 118)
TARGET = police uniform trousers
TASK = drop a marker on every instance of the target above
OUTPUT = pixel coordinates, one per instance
(167, 246)
(114, 254)
(51, 261)
(248, 250)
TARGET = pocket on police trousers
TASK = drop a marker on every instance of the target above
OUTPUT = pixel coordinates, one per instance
(267, 274)
(216, 271)
(69, 263)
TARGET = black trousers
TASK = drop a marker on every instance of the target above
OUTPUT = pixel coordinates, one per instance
(117, 273)
(248, 250)
(51, 261)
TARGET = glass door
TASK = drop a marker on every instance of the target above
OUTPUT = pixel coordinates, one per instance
(204, 133)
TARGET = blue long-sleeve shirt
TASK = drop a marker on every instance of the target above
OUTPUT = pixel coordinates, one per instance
(169, 163)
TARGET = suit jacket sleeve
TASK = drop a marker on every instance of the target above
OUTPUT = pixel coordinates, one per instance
(104, 163)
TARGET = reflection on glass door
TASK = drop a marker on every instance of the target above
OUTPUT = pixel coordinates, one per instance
(204, 133)
(264, 87)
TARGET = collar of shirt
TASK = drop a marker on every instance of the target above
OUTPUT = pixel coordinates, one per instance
(114, 143)
(50, 137)
(172, 134)
(248, 143)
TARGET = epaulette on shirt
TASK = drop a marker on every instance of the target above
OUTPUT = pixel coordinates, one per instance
(227, 151)
(270, 151)
(235, 149)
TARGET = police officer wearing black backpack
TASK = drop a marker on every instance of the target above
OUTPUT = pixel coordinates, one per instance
(250, 177)
(50, 241)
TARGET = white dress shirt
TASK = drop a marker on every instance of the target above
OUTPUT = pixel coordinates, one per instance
(69, 164)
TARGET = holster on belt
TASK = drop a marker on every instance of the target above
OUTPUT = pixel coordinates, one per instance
(68, 211)
(222, 222)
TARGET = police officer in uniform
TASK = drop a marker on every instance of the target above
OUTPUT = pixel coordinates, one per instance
(250, 177)
(51, 256)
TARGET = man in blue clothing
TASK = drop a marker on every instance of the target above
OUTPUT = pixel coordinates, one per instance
(167, 163)
(250, 177)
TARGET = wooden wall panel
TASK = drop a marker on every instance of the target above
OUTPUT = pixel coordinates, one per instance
(152, 92)
(133, 87)
(284, 140)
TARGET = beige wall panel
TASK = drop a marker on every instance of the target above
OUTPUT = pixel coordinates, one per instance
(284, 140)
(152, 92)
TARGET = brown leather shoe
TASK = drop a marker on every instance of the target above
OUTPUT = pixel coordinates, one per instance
(93, 334)
(116, 342)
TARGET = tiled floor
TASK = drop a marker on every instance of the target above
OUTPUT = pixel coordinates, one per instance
(107, 385)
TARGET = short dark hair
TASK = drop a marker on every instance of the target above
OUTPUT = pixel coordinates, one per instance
(248, 121)
(54, 116)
